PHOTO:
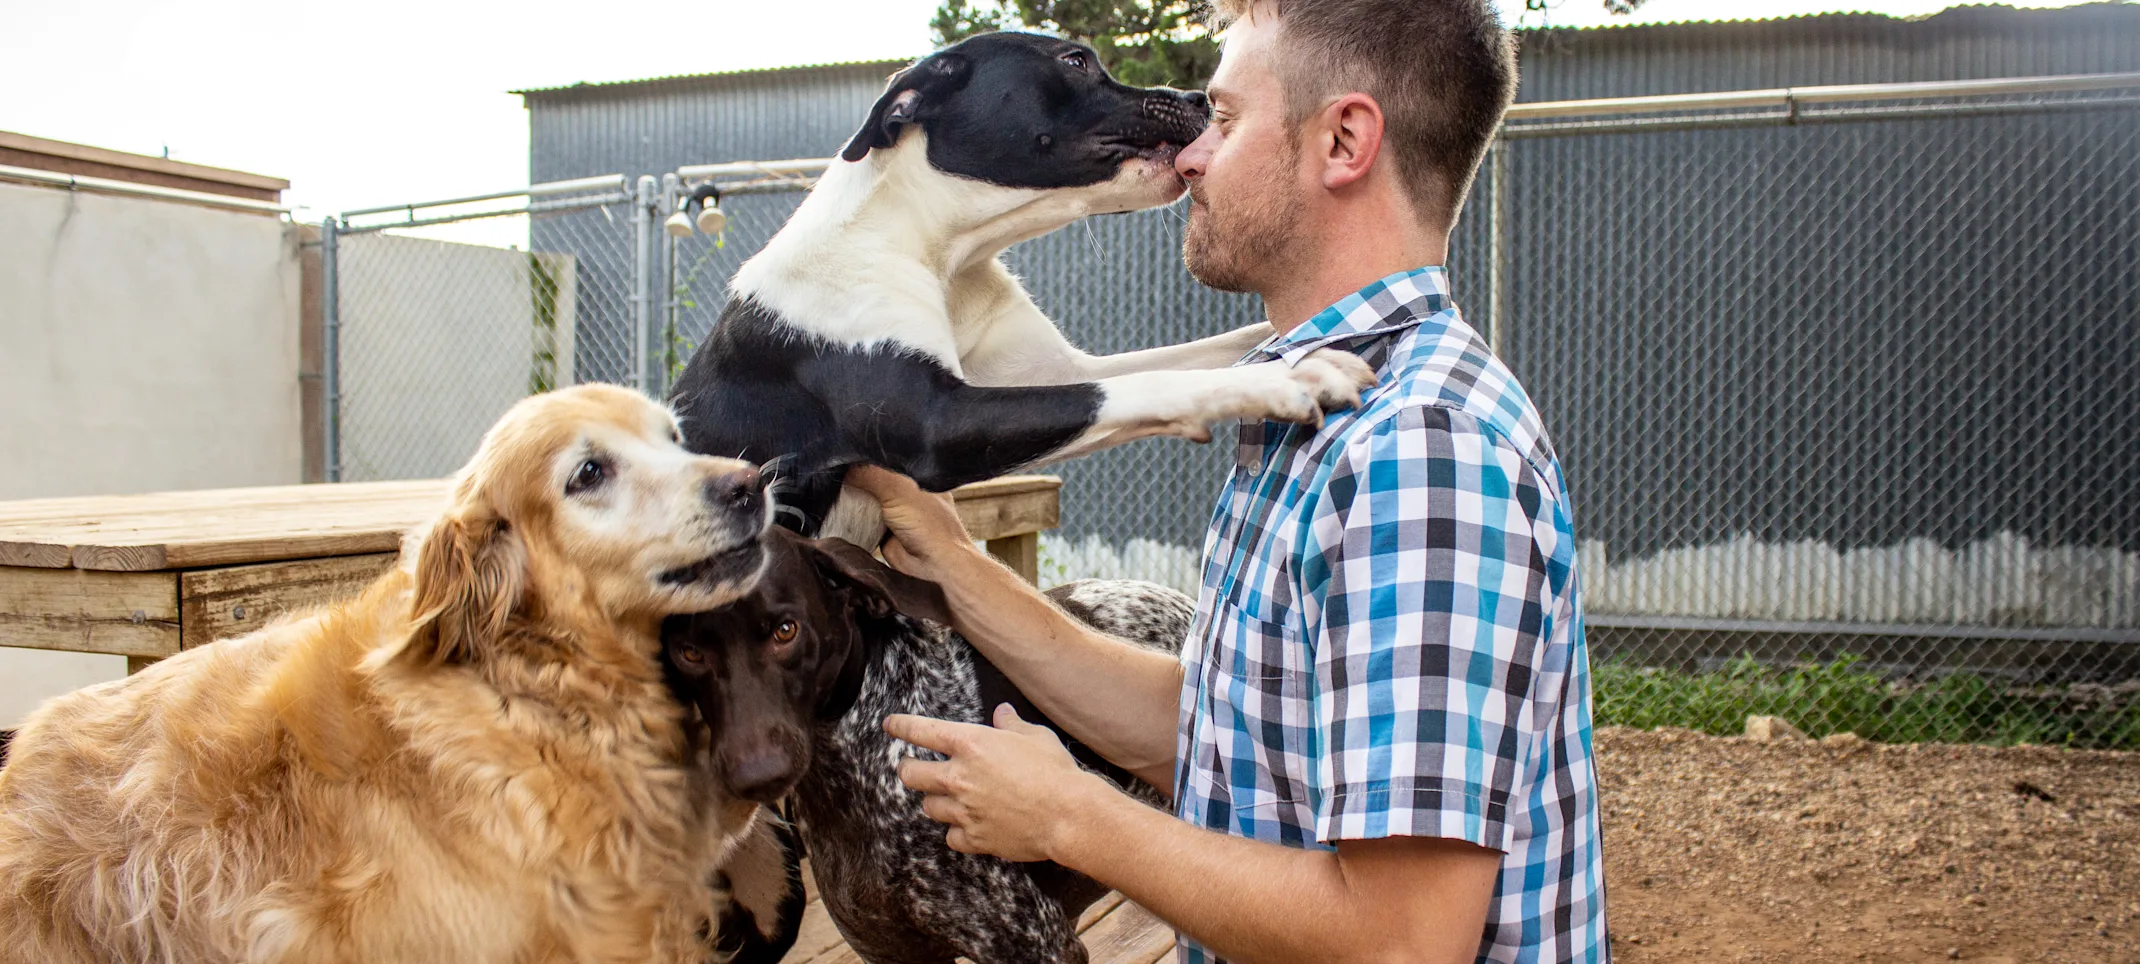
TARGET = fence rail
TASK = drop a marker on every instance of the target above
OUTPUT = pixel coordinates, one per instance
(1839, 375)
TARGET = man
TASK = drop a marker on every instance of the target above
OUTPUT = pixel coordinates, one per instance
(1378, 734)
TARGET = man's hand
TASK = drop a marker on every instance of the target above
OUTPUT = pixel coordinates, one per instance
(1006, 791)
(928, 541)
(1119, 699)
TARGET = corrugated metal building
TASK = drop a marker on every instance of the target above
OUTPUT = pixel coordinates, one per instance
(1848, 335)
(653, 126)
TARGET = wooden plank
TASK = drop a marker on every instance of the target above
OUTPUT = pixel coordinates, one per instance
(1009, 507)
(126, 614)
(215, 527)
(1100, 908)
(1129, 934)
(35, 555)
(818, 936)
(1021, 553)
(223, 552)
(841, 954)
(1008, 485)
(220, 603)
(66, 508)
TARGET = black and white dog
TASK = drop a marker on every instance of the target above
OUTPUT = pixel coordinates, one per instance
(879, 324)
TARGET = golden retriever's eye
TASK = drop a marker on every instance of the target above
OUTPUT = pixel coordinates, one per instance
(590, 474)
(1077, 60)
(785, 632)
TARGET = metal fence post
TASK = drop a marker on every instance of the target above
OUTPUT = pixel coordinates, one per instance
(331, 347)
(643, 285)
(672, 188)
(1497, 249)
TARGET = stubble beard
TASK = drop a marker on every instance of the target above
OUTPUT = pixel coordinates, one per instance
(1248, 248)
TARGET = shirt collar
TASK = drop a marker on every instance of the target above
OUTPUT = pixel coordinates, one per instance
(1399, 301)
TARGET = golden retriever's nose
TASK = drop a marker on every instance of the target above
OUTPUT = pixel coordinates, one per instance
(737, 490)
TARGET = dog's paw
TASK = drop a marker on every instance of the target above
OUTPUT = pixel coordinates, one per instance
(1281, 393)
(1335, 378)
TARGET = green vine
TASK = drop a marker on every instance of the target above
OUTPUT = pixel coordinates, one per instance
(542, 296)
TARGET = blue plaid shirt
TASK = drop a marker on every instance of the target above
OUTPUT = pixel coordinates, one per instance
(1389, 638)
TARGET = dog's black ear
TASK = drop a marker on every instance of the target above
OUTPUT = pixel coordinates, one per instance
(846, 688)
(879, 590)
(909, 94)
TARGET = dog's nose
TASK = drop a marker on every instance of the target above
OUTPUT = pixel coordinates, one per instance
(1197, 101)
(762, 776)
(734, 490)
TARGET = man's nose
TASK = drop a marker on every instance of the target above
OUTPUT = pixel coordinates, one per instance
(1192, 160)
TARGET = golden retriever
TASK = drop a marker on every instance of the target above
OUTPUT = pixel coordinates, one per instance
(476, 760)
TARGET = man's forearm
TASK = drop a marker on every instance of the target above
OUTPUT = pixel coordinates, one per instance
(1118, 698)
(1421, 901)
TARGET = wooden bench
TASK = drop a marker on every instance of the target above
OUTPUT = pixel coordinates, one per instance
(145, 576)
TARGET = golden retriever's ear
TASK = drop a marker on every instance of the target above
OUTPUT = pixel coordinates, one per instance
(470, 575)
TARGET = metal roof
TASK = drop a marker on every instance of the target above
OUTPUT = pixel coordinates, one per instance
(888, 66)
(1959, 16)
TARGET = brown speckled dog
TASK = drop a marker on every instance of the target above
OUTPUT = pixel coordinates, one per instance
(474, 761)
(795, 680)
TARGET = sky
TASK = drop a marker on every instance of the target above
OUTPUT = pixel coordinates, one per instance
(391, 101)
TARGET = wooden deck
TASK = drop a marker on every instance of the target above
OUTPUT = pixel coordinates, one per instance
(1115, 931)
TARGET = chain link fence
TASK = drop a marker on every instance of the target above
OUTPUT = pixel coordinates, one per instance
(1835, 389)
(435, 338)
(1843, 382)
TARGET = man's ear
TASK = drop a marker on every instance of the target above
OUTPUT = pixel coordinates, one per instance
(879, 590)
(470, 576)
(911, 92)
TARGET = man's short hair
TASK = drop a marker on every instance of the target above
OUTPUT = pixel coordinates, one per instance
(1444, 71)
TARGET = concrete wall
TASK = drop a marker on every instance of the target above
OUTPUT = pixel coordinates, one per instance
(144, 346)
(437, 340)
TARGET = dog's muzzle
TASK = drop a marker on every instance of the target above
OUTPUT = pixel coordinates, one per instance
(1175, 117)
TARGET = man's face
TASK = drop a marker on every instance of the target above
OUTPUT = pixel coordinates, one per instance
(1245, 190)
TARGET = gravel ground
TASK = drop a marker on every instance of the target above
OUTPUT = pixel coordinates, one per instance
(1730, 850)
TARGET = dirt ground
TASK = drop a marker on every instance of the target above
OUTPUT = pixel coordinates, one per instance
(1730, 850)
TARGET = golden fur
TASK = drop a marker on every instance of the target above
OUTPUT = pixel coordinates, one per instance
(476, 760)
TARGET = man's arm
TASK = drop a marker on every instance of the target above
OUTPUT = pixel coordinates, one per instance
(1122, 700)
(1013, 791)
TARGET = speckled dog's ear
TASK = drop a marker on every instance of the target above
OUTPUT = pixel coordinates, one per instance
(879, 590)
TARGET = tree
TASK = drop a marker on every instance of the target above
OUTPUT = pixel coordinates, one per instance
(1144, 43)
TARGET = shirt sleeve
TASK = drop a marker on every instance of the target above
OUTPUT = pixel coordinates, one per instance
(1425, 588)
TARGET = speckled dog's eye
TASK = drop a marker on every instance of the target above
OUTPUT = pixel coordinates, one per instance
(785, 632)
(689, 655)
